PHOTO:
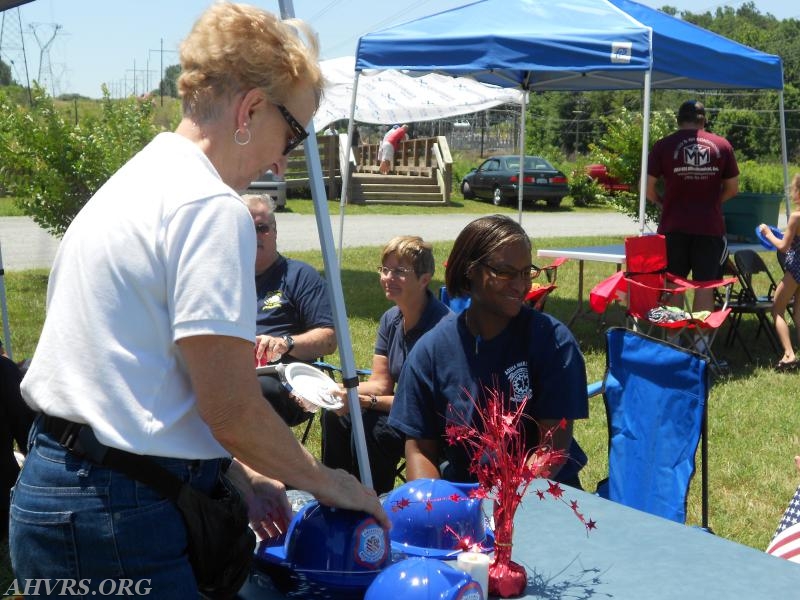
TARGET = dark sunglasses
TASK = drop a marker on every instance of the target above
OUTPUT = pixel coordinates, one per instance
(299, 132)
(262, 228)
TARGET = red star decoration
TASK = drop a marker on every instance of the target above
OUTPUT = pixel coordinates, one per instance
(401, 504)
(555, 490)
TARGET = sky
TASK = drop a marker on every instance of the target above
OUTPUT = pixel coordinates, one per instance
(74, 46)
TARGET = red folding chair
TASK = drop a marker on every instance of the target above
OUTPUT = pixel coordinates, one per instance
(537, 295)
(657, 299)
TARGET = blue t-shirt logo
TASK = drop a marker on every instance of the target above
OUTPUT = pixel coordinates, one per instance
(520, 382)
(272, 300)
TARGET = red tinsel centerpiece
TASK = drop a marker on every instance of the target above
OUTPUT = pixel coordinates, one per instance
(504, 468)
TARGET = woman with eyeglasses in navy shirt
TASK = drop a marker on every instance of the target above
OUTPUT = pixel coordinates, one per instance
(497, 343)
(407, 266)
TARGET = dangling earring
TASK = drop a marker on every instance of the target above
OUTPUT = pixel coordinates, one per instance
(238, 133)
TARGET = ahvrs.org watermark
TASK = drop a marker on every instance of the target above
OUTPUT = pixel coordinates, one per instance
(79, 587)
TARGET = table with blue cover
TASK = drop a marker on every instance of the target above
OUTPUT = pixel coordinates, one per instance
(612, 253)
(631, 555)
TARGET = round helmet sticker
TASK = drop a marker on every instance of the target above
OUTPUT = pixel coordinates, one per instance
(471, 591)
(371, 548)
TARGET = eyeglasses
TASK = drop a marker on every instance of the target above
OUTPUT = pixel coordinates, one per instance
(299, 132)
(262, 228)
(508, 274)
(399, 272)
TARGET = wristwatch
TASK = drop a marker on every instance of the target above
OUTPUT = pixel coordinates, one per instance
(289, 341)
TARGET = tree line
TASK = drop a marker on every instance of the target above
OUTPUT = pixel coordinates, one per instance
(573, 123)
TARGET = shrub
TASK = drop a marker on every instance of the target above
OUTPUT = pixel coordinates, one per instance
(620, 149)
(53, 167)
(583, 189)
(463, 163)
(760, 178)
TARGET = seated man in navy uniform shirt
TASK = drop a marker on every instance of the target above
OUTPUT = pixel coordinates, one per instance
(294, 320)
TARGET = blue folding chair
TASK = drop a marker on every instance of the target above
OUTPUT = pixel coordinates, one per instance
(655, 396)
(457, 305)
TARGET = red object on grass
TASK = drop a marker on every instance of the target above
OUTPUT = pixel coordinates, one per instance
(600, 174)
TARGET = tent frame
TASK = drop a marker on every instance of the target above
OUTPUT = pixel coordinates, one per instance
(334, 285)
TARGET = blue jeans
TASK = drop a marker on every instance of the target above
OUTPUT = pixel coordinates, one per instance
(74, 520)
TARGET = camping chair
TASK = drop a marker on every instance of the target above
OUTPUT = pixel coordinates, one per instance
(649, 292)
(755, 297)
(457, 305)
(537, 295)
(655, 395)
(535, 298)
(335, 373)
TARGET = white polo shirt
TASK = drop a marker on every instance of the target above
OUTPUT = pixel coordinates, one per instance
(164, 250)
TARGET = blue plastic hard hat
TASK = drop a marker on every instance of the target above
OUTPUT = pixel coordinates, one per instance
(435, 518)
(326, 550)
(421, 578)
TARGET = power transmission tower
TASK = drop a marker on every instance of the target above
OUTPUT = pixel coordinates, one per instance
(45, 77)
(12, 48)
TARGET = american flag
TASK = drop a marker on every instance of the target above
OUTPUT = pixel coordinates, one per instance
(786, 542)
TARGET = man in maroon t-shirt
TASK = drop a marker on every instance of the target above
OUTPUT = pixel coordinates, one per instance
(699, 171)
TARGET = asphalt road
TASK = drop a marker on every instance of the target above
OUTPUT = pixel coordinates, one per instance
(24, 245)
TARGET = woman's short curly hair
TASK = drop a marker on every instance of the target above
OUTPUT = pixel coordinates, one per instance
(234, 48)
(476, 242)
(414, 249)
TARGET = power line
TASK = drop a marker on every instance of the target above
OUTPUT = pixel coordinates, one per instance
(12, 49)
(324, 10)
(44, 55)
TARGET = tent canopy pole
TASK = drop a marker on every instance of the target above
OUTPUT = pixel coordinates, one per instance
(784, 156)
(351, 126)
(334, 286)
(6, 328)
(645, 151)
(521, 186)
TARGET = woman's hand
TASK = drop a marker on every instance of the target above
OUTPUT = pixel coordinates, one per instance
(340, 394)
(268, 508)
(343, 490)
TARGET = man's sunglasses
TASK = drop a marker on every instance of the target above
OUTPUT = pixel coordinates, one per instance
(299, 132)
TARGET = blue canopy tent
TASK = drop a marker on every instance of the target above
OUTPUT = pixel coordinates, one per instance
(572, 45)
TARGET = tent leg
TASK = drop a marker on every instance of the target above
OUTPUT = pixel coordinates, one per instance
(784, 157)
(645, 151)
(704, 469)
(351, 125)
(334, 286)
(520, 188)
(336, 295)
(6, 328)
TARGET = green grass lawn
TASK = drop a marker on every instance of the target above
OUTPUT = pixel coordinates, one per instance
(9, 209)
(754, 424)
(457, 204)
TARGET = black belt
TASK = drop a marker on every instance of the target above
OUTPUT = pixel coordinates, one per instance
(75, 437)
(81, 441)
